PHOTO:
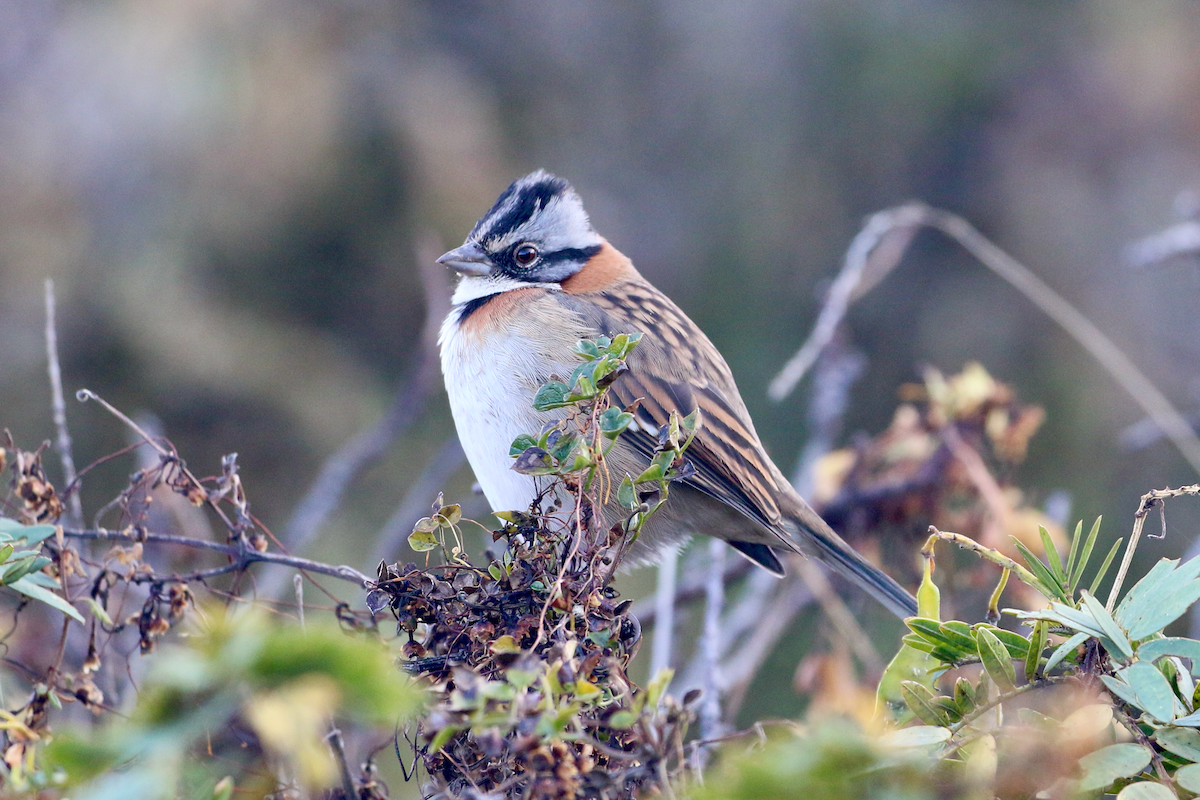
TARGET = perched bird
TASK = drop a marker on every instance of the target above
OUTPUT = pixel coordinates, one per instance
(536, 278)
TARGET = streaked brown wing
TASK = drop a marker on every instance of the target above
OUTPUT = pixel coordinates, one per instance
(676, 368)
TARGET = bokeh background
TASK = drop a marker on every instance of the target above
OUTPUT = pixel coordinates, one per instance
(235, 200)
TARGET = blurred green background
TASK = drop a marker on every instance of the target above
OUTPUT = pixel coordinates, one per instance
(231, 197)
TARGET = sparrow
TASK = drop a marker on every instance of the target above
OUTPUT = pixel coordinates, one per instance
(536, 279)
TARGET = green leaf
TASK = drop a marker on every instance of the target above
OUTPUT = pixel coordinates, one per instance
(451, 513)
(1048, 585)
(1189, 778)
(921, 702)
(98, 611)
(626, 496)
(443, 737)
(587, 349)
(19, 568)
(563, 446)
(550, 396)
(1107, 764)
(521, 444)
(1063, 650)
(1155, 649)
(1161, 597)
(1153, 692)
(654, 472)
(534, 461)
(5, 552)
(1107, 624)
(1056, 566)
(964, 695)
(30, 589)
(1073, 554)
(1146, 790)
(1183, 742)
(917, 736)
(1037, 643)
(1016, 644)
(613, 422)
(1096, 581)
(1084, 555)
(423, 541)
(996, 660)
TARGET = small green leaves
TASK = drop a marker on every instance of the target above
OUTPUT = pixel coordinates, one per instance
(1108, 764)
(1037, 643)
(614, 421)
(923, 703)
(551, 395)
(1048, 583)
(1161, 597)
(31, 589)
(996, 660)
(1142, 686)
(521, 444)
(534, 461)
(423, 541)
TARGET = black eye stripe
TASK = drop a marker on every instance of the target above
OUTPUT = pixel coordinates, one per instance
(570, 254)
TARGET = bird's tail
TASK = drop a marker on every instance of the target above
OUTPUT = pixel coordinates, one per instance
(819, 540)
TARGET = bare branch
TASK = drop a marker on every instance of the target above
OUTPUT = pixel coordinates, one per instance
(243, 555)
(874, 240)
(340, 469)
(664, 612)
(59, 408)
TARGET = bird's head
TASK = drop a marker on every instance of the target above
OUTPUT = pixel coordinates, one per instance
(537, 233)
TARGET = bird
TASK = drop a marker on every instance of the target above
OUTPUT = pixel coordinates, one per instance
(536, 278)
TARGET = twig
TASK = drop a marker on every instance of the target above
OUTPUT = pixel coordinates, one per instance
(710, 646)
(243, 555)
(1181, 239)
(844, 623)
(838, 367)
(339, 469)
(664, 612)
(739, 670)
(1148, 501)
(875, 236)
(688, 590)
(59, 408)
(880, 245)
(985, 483)
(298, 585)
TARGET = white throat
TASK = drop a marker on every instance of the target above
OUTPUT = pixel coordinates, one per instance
(474, 287)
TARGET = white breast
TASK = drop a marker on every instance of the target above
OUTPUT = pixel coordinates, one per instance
(492, 373)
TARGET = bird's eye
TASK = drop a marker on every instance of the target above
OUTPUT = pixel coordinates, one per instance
(525, 255)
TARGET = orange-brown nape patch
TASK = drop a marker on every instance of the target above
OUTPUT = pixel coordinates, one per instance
(605, 269)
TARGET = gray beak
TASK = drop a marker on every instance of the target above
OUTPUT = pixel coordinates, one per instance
(468, 259)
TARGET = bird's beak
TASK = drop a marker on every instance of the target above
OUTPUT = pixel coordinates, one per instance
(468, 259)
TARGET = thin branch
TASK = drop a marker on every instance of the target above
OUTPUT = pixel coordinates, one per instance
(59, 408)
(709, 651)
(740, 669)
(878, 236)
(664, 612)
(243, 556)
(1148, 501)
(688, 590)
(874, 252)
(340, 468)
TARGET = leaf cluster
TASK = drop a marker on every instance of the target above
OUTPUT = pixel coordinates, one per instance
(527, 652)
